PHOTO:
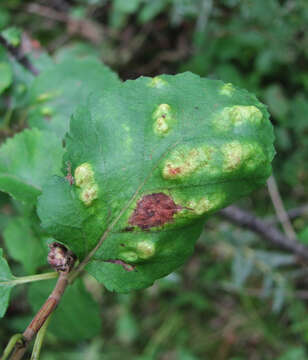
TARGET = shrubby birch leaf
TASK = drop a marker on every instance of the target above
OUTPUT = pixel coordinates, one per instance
(151, 159)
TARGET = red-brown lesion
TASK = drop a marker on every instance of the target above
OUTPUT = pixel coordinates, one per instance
(174, 170)
(154, 210)
(126, 267)
(69, 177)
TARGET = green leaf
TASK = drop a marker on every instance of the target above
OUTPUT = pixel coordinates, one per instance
(303, 235)
(24, 245)
(295, 353)
(151, 9)
(12, 35)
(277, 101)
(26, 161)
(5, 289)
(4, 18)
(78, 316)
(151, 159)
(6, 76)
(56, 92)
(79, 50)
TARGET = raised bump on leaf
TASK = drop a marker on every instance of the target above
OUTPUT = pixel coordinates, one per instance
(84, 175)
(84, 178)
(88, 194)
(184, 162)
(129, 256)
(246, 154)
(206, 204)
(145, 249)
(47, 96)
(197, 206)
(238, 115)
(227, 89)
(157, 82)
(162, 119)
(47, 111)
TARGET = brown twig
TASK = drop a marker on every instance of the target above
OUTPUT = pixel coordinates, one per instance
(247, 220)
(19, 56)
(86, 28)
(279, 208)
(292, 214)
(62, 260)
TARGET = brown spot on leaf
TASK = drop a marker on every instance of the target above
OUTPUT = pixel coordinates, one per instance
(173, 171)
(154, 210)
(69, 177)
(125, 266)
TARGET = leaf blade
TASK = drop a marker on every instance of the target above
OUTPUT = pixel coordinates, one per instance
(152, 158)
(5, 290)
(26, 161)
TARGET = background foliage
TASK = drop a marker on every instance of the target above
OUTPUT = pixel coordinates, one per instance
(237, 298)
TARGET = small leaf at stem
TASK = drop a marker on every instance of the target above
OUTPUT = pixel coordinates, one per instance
(5, 289)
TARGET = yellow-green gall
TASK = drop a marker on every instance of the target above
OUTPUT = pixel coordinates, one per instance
(84, 175)
(84, 178)
(233, 156)
(47, 111)
(88, 194)
(206, 203)
(183, 162)
(47, 96)
(162, 119)
(145, 249)
(236, 116)
(200, 207)
(157, 82)
(240, 114)
(246, 155)
(254, 156)
(129, 256)
(227, 89)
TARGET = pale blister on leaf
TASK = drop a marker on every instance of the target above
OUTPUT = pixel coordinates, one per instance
(153, 158)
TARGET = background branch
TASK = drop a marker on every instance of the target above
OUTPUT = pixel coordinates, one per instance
(270, 233)
(279, 208)
(19, 56)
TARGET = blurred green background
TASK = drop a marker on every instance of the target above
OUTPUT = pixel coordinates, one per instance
(238, 297)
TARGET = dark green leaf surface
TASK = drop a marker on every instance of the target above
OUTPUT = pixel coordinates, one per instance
(78, 316)
(56, 92)
(26, 161)
(151, 159)
(5, 289)
(24, 245)
(6, 76)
